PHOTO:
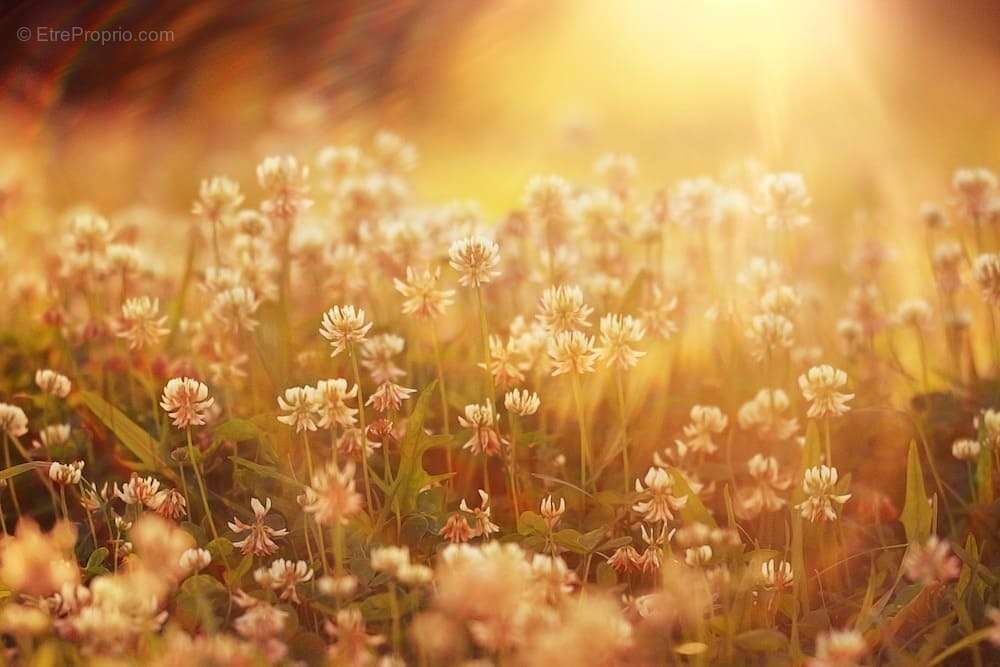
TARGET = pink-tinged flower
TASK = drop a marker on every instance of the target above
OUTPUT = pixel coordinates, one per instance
(186, 401)
(931, 563)
(777, 575)
(457, 529)
(284, 575)
(169, 503)
(141, 325)
(352, 643)
(625, 560)
(389, 397)
(656, 500)
(485, 438)
(481, 516)
(333, 495)
(260, 537)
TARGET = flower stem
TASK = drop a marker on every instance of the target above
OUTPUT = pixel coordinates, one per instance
(201, 485)
(444, 399)
(13, 491)
(485, 333)
(364, 427)
(513, 465)
(584, 435)
(622, 411)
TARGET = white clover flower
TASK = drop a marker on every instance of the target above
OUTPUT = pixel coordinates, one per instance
(819, 385)
(561, 308)
(706, 420)
(235, 308)
(839, 648)
(260, 536)
(932, 562)
(186, 400)
(194, 560)
(987, 274)
(66, 474)
(284, 575)
(572, 352)
(965, 449)
(784, 200)
(300, 404)
(769, 333)
(765, 416)
(819, 484)
(52, 435)
(218, 198)
(330, 397)
(618, 334)
(974, 187)
(344, 326)
(53, 383)
(657, 502)
(286, 184)
(422, 298)
(777, 575)
(485, 438)
(476, 259)
(142, 325)
(521, 402)
(916, 313)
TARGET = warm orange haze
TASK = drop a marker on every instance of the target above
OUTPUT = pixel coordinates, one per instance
(502, 333)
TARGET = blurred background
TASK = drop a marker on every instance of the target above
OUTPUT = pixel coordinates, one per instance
(876, 102)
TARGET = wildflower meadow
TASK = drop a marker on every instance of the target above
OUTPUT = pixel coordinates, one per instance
(313, 415)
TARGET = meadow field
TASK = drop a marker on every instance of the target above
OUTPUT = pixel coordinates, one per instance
(348, 396)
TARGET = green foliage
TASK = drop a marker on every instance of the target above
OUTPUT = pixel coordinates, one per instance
(129, 434)
(917, 513)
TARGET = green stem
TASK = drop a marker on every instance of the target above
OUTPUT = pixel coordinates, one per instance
(364, 427)
(444, 399)
(513, 465)
(394, 610)
(485, 333)
(624, 415)
(584, 435)
(201, 485)
(961, 645)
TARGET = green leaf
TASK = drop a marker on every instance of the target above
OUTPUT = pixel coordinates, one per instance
(531, 523)
(236, 430)
(762, 640)
(97, 557)
(694, 510)
(411, 477)
(14, 471)
(984, 475)
(606, 576)
(265, 471)
(130, 434)
(917, 514)
(569, 538)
